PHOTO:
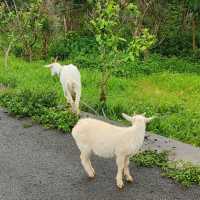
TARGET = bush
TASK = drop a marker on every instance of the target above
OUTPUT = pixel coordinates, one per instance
(183, 173)
(62, 120)
(186, 175)
(151, 159)
(175, 44)
(72, 45)
(41, 106)
(128, 69)
(87, 61)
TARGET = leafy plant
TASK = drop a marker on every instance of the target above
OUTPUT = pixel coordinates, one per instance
(150, 159)
(42, 107)
(184, 173)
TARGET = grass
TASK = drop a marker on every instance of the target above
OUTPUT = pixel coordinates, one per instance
(173, 97)
(183, 173)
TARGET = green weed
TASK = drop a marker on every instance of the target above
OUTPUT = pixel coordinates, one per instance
(183, 173)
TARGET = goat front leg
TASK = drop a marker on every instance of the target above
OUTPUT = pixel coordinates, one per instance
(87, 165)
(77, 100)
(127, 174)
(120, 167)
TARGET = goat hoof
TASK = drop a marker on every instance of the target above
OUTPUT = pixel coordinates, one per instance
(129, 179)
(120, 185)
(91, 176)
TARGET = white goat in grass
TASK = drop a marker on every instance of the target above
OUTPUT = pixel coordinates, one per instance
(70, 79)
(106, 140)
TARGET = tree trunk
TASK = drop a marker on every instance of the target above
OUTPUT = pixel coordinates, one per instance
(103, 88)
(65, 24)
(103, 93)
(45, 46)
(105, 77)
(146, 54)
(30, 54)
(7, 54)
(193, 34)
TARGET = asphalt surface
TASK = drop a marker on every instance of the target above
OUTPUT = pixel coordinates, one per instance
(44, 164)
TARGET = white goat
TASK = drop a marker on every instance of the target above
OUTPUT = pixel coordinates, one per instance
(106, 140)
(70, 79)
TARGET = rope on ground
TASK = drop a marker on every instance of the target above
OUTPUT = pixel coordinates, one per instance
(89, 107)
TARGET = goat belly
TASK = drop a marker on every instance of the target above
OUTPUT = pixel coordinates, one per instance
(104, 149)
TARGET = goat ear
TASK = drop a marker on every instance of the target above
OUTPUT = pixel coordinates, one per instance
(47, 66)
(127, 117)
(56, 59)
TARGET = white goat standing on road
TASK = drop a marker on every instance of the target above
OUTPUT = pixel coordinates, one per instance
(70, 79)
(106, 140)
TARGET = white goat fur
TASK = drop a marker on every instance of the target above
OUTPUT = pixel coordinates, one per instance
(106, 140)
(70, 79)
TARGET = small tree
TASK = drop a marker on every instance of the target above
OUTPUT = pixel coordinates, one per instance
(194, 9)
(30, 28)
(104, 24)
(107, 28)
(24, 27)
(7, 29)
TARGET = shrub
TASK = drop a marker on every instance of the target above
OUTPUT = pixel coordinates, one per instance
(183, 173)
(187, 175)
(71, 45)
(151, 159)
(62, 120)
(41, 106)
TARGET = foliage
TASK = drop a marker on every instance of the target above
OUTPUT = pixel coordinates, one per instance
(150, 159)
(73, 45)
(26, 29)
(186, 175)
(140, 44)
(193, 6)
(44, 24)
(183, 173)
(153, 64)
(173, 97)
(41, 107)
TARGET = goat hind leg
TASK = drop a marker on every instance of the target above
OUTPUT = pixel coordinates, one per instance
(76, 103)
(70, 101)
(87, 165)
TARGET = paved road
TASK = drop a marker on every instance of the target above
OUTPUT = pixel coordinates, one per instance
(39, 164)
